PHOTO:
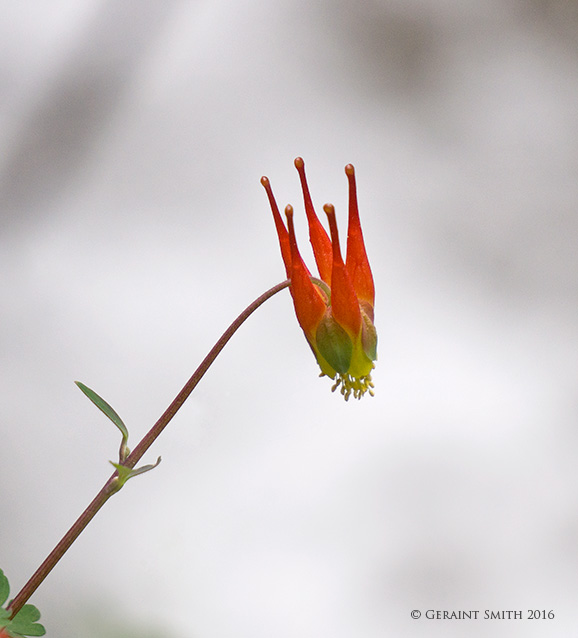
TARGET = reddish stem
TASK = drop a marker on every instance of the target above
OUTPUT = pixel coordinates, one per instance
(113, 485)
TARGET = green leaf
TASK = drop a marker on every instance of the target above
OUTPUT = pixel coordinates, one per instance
(144, 468)
(125, 473)
(28, 614)
(35, 630)
(4, 588)
(24, 623)
(102, 405)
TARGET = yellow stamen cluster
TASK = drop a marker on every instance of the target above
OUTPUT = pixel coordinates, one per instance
(357, 386)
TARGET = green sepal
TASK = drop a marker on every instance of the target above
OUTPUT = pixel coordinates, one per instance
(334, 344)
(323, 286)
(111, 413)
(368, 337)
(125, 473)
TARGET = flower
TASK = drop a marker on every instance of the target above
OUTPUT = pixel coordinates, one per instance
(336, 310)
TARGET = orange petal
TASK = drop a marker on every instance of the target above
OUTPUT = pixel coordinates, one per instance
(344, 303)
(280, 226)
(317, 235)
(356, 260)
(308, 300)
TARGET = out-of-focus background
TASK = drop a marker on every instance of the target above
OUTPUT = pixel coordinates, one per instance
(133, 229)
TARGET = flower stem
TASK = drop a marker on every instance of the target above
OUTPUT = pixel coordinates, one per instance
(113, 485)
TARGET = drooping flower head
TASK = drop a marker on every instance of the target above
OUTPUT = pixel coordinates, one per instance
(336, 310)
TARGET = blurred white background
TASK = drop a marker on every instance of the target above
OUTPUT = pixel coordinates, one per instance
(133, 229)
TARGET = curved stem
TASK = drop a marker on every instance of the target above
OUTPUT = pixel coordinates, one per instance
(113, 485)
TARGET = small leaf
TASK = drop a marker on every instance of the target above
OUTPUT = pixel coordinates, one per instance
(125, 473)
(102, 405)
(144, 468)
(4, 588)
(34, 630)
(28, 614)
(24, 623)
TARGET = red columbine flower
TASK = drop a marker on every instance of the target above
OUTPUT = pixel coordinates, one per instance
(336, 310)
